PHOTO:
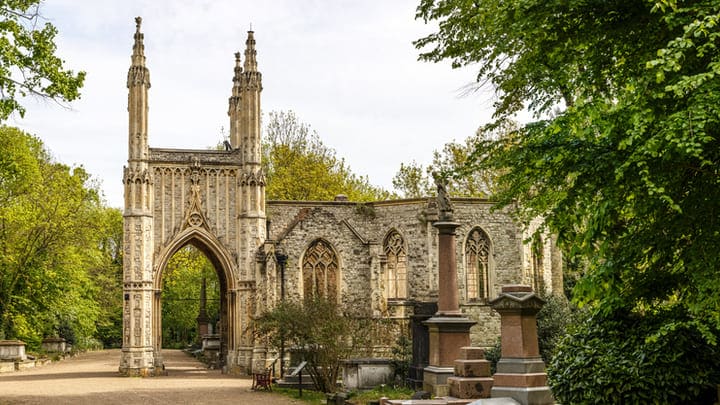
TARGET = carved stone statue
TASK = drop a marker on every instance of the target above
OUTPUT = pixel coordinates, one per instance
(443, 201)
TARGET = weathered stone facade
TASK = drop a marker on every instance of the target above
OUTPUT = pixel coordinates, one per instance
(376, 259)
(356, 232)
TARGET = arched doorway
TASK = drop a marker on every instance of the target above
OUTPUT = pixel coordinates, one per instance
(190, 305)
(207, 245)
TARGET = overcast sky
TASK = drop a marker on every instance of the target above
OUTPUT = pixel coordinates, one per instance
(347, 68)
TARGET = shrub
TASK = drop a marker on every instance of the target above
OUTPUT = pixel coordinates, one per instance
(401, 358)
(553, 322)
(631, 358)
(318, 330)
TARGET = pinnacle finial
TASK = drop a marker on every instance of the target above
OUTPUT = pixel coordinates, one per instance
(138, 73)
(250, 53)
(138, 56)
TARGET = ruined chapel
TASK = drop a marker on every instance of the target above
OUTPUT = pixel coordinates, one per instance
(376, 258)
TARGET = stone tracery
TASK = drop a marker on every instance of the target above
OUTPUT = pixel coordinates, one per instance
(320, 268)
(395, 266)
(477, 265)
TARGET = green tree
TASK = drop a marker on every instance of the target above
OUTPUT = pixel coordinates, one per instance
(52, 226)
(181, 296)
(106, 273)
(623, 161)
(415, 181)
(321, 333)
(28, 64)
(298, 166)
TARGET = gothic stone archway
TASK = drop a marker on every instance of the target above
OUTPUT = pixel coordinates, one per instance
(212, 199)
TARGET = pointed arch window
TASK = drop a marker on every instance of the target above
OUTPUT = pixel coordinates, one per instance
(395, 266)
(477, 265)
(320, 271)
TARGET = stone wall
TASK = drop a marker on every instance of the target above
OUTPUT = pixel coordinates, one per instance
(356, 232)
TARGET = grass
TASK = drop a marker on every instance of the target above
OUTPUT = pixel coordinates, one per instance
(308, 396)
(354, 397)
(363, 397)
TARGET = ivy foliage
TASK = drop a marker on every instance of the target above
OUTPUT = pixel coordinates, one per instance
(28, 64)
(623, 162)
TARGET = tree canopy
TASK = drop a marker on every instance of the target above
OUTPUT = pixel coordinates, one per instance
(623, 160)
(60, 248)
(415, 181)
(28, 64)
(299, 166)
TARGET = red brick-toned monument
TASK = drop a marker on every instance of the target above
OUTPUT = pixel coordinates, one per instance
(449, 331)
(521, 371)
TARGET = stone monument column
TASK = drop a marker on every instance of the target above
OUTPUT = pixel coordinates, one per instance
(449, 331)
(203, 320)
(520, 371)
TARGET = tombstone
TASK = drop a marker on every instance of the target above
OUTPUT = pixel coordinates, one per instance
(472, 377)
(203, 320)
(520, 371)
(12, 350)
(366, 374)
(422, 311)
(211, 350)
(54, 345)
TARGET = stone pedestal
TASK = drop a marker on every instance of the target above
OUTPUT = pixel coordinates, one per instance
(520, 371)
(472, 375)
(448, 330)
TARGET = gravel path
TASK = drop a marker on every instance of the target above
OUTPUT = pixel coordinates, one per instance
(92, 378)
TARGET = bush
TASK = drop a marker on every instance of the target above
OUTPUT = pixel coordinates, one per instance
(553, 322)
(629, 359)
(317, 330)
(401, 358)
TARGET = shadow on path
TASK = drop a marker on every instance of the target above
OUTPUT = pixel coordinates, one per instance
(92, 378)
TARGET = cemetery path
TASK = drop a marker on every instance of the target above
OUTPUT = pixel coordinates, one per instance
(92, 378)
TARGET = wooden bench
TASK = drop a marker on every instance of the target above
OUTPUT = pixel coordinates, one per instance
(262, 381)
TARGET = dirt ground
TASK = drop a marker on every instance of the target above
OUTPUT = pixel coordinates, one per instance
(92, 378)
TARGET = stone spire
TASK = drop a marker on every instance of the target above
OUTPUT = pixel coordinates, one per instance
(250, 53)
(234, 103)
(249, 116)
(138, 83)
(138, 56)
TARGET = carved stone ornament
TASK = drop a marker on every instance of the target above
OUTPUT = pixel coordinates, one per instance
(194, 217)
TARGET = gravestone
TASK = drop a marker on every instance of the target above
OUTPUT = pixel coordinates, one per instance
(366, 374)
(54, 345)
(12, 350)
(520, 371)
